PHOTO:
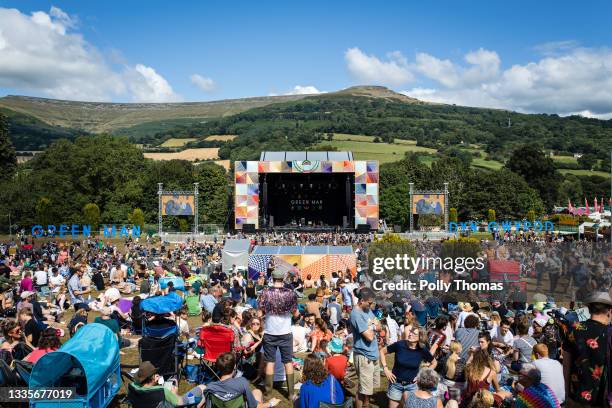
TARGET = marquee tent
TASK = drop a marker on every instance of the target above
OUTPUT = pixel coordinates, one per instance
(236, 252)
(310, 260)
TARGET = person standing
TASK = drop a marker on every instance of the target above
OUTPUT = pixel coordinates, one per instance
(278, 304)
(584, 354)
(364, 327)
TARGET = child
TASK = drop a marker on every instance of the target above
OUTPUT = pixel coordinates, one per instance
(337, 362)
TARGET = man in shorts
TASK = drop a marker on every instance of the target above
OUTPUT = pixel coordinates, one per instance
(278, 304)
(365, 327)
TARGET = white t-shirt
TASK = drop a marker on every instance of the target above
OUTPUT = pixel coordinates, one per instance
(56, 281)
(277, 325)
(552, 375)
(299, 338)
(40, 277)
(394, 330)
(497, 337)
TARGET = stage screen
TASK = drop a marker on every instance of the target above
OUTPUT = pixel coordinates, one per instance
(249, 208)
(428, 204)
(312, 199)
(178, 204)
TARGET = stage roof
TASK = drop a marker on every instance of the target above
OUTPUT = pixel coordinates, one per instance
(301, 156)
(302, 250)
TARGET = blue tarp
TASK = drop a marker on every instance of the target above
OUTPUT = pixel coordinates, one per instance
(178, 282)
(94, 348)
(162, 304)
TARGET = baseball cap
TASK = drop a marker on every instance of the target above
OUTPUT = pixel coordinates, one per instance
(278, 274)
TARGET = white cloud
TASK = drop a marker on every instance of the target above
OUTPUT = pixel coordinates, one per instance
(303, 90)
(41, 53)
(300, 90)
(204, 83)
(146, 85)
(578, 81)
(372, 71)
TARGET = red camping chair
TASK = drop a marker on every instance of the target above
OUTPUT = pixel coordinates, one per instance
(215, 340)
(507, 272)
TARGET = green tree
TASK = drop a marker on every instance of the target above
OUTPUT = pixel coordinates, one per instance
(452, 215)
(137, 218)
(183, 225)
(491, 215)
(214, 188)
(538, 170)
(43, 211)
(587, 161)
(531, 216)
(91, 215)
(8, 159)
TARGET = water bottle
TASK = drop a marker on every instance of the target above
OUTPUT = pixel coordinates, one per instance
(190, 398)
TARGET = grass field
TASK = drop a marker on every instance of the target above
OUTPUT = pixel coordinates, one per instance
(205, 153)
(487, 164)
(582, 172)
(222, 138)
(565, 159)
(177, 142)
(365, 149)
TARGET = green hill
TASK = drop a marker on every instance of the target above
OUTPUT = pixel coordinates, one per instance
(107, 117)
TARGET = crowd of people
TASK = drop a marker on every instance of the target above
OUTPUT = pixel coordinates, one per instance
(329, 338)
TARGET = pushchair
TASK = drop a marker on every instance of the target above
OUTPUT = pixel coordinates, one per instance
(214, 340)
(88, 362)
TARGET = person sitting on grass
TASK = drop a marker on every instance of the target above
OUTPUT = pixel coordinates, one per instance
(112, 324)
(230, 387)
(48, 342)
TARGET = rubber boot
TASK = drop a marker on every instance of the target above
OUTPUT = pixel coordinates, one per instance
(269, 384)
(290, 385)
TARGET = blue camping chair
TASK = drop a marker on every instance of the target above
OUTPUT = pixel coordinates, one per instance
(89, 362)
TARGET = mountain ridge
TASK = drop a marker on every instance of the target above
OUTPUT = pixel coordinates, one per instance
(100, 117)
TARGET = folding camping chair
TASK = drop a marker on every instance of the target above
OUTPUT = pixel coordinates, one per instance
(143, 398)
(160, 351)
(214, 401)
(215, 340)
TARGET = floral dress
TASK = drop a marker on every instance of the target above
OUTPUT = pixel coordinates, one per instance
(587, 342)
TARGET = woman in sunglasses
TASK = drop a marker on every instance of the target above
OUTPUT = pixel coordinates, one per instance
(14, 346)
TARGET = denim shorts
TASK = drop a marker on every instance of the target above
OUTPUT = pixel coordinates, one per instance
(396, 389)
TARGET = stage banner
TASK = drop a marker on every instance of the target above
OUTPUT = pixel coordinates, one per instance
(178, 204)
(428, 204)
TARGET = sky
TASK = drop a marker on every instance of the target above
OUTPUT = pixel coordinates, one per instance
(529, 56)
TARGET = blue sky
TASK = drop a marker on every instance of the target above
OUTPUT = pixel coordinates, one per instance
(531, 56)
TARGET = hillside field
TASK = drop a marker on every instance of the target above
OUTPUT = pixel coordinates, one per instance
(205, 153)
(177, 142)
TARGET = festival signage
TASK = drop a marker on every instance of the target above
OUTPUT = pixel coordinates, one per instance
(503, 226)
(75, 230)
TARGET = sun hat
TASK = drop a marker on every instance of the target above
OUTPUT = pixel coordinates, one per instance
(335, 345)
(599, 297)
(26, 294)
(509, 313)
(145, 370)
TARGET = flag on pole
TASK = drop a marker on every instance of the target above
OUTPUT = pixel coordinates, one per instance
(570, 208)
(595, 208)
(586, 204)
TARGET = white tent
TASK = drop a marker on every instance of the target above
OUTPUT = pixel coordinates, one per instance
(236, 252)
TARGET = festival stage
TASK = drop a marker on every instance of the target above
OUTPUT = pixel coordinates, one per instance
(311, 260)
(306, 191)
